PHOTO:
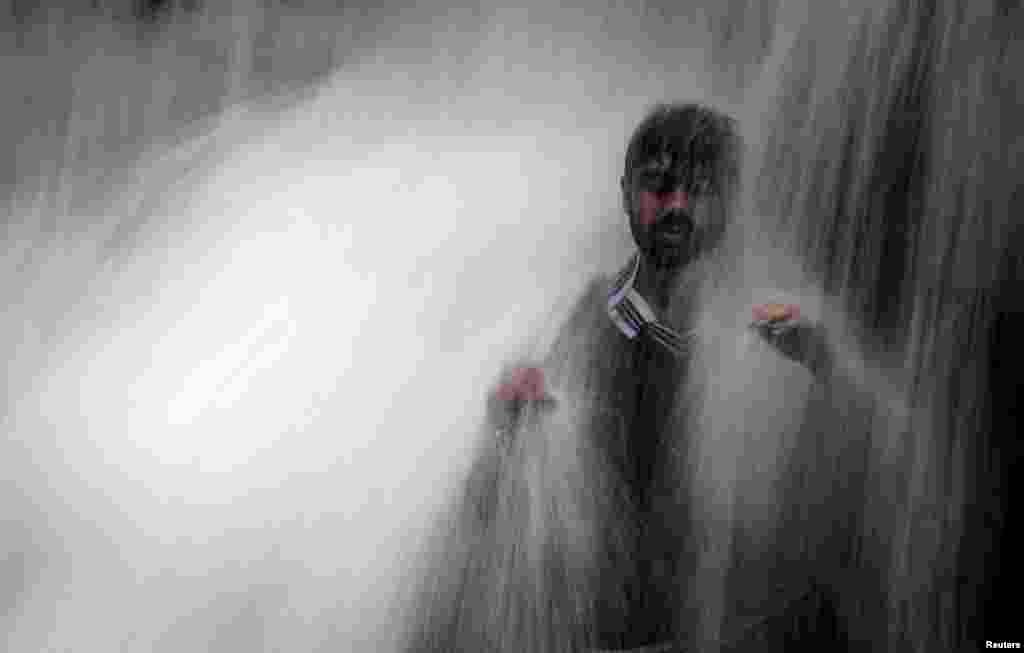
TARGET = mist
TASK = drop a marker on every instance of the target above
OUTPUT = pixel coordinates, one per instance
(260, 268)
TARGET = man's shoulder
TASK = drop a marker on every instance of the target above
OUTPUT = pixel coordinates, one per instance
(603, 284)
(588, 317)
(596, 292)
(591, 307)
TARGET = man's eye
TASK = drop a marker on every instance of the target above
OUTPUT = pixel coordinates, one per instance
(650, 182)
(703, 187)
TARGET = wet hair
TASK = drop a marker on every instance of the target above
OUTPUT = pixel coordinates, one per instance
(700, 139)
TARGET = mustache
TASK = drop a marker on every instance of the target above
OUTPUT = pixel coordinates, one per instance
(674, 219)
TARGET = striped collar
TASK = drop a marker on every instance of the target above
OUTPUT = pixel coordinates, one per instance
(631, 313)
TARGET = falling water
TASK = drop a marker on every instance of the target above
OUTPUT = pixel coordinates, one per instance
(261, 264)
(882, 197)
(260, 267)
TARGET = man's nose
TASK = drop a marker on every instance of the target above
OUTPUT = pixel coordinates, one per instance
(675, 200)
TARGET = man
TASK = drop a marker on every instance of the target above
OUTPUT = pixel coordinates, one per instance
(623, 350)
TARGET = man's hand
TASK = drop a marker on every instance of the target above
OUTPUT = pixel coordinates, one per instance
(519, 387)
(522, 383)
(792, 335)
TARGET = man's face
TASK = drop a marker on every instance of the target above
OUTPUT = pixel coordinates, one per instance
(667, 204)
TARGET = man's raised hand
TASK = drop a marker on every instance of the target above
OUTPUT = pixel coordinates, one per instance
(794, 336)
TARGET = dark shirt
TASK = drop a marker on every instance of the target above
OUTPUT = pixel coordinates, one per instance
(646, 384)
(633, 384)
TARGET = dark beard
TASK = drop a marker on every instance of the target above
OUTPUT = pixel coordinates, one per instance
(670, 255)
(666, 257)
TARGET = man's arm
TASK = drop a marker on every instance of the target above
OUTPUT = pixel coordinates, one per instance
(831, 357)
(533, 384)
(512, 565)
(525, 394)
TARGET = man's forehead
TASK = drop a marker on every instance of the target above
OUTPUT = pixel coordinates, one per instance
(679, 164)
